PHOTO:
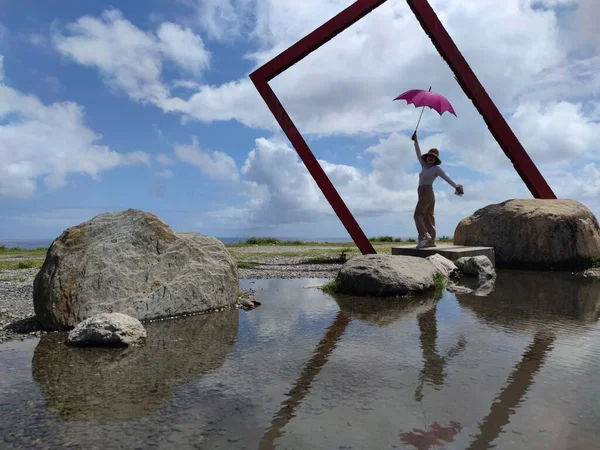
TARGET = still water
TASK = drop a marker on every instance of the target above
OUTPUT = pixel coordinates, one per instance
(518, 368)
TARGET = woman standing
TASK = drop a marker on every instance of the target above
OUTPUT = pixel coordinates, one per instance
(424, 212)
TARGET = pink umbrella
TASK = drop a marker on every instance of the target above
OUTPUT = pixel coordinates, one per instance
(419, 97)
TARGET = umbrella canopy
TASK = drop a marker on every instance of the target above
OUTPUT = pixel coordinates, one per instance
(433, 100)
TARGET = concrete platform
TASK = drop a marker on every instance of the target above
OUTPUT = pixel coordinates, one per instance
(450, 251)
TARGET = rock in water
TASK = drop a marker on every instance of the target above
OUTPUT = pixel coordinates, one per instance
(133, 263)
(111, 330)
(476, 266)
(536, 233)
(385, 275)
(445, 267)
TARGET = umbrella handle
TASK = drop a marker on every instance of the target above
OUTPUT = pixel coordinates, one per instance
(422, 111)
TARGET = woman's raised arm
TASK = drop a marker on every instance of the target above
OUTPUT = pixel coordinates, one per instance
(417, 148)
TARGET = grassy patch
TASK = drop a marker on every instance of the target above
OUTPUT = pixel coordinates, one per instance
(341, 258)
(22, 251)
(247, 265)
(21, 264)
(439, 282)
(330, 288)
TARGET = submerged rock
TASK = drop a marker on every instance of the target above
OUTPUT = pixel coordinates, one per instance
(108, 330)
(476, 266)
(133, 263)
(386, 275)
(534, 233)
(445, 267)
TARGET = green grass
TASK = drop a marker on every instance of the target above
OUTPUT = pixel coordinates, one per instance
(439, 282)
(22, 251)
(247, 265)
(21, 264)
(330, 288)
(340, 258)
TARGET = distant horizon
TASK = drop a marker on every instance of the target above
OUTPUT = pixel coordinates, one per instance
(26, 243)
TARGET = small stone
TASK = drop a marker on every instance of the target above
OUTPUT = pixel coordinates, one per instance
(108, 329)
(474, 266)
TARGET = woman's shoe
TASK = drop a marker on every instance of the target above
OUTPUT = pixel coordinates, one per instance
(430, 244)
(423, 242)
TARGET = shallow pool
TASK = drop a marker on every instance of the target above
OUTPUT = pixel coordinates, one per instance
(518, 368)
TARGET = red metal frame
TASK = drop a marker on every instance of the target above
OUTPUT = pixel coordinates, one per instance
(442, 41)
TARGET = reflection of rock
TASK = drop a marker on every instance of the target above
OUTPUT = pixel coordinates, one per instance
(122, 384)
(532, 299)
(469, 285)
(133, 263)
(384, 311)
(108, 330)
(386, 275)
(485, 288)
(533, 232)
(458, 289)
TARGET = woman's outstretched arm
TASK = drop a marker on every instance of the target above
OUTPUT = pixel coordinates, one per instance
(417, 148)
(448, 180)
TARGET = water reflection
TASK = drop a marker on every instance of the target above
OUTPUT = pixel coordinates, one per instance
(519, 382)
(545, 303)
(124, 384)
(528, 300)
(433, 363)
(377, 311)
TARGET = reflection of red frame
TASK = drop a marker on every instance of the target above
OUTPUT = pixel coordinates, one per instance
(442, 41)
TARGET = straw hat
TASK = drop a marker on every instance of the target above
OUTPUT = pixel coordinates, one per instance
(435, 153)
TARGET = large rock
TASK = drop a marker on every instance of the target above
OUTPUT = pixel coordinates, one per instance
(107, 330)
(386, 275)
(133, 263)
(535, 233)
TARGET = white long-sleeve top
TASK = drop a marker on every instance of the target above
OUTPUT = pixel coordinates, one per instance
(429, 174)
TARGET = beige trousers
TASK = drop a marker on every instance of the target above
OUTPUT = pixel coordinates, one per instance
(424, 218)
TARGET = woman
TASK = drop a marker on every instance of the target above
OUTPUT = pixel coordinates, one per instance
(430, 170)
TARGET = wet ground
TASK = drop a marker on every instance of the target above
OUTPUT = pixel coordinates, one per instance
(518, 368)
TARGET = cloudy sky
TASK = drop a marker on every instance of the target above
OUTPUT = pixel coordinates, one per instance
(112, 105)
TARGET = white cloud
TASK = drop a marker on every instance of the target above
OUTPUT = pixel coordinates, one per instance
(49, 141)
(130, 59)
(183, 47)
(215, 165)
(1, 68)
(167, 173)
(164, 160)
(223, 19)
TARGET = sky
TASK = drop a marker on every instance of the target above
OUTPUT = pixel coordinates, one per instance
(106, 106)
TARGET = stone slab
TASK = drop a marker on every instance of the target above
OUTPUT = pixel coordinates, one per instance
(450, 251)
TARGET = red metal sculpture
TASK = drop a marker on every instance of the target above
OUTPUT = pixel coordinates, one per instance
(442, 41)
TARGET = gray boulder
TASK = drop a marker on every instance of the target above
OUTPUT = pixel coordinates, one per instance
(385, 275)
(445, 267)
(534, 233)
(133, 263)
(108, 330)
(476, 266)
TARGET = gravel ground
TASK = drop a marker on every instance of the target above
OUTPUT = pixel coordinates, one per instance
(16, 305)
(16, 289)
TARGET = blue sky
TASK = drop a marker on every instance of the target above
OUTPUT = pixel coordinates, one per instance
(107, 106)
